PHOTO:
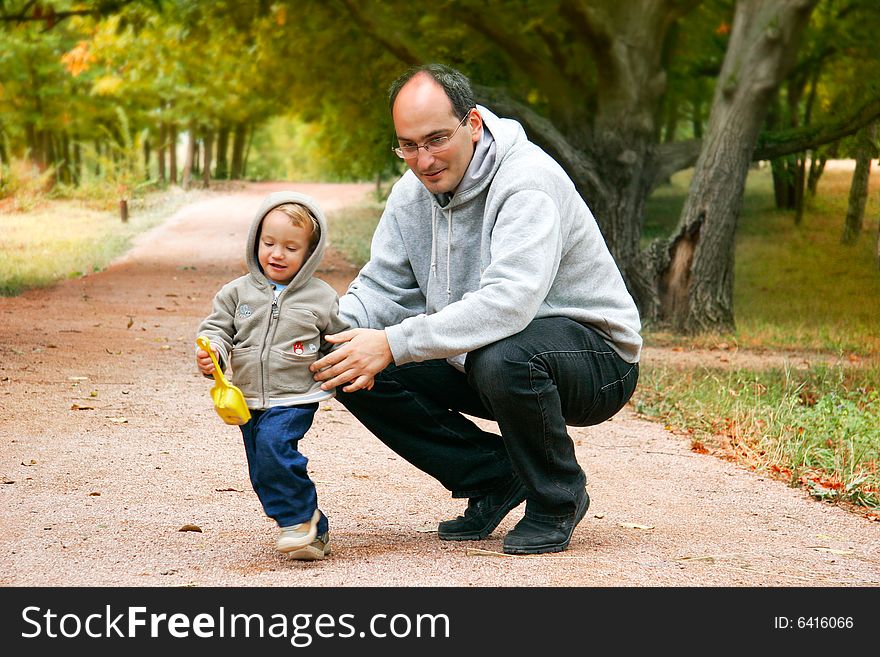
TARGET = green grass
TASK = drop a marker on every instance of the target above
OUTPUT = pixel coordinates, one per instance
(67, 239)
(351, 230)
(795, 287)
(819, 428)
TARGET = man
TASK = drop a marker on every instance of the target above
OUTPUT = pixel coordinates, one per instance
(489, 292)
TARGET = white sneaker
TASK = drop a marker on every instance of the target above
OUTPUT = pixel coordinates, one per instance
(314, 551)
(298, 536)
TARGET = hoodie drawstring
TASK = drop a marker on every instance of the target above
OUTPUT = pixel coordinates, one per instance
(434, 240)
(448, 257)
(448, 249)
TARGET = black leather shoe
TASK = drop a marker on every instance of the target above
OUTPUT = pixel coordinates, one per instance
(533, 536)
(483, 514)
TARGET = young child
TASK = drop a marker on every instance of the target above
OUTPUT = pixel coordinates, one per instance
(268, 325)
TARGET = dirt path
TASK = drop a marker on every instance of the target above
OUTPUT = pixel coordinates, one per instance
(110, 445)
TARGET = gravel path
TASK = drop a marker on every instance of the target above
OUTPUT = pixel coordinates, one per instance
(110, 446)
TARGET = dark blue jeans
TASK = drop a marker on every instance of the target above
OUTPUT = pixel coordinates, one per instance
(278, 470)
(556, 372)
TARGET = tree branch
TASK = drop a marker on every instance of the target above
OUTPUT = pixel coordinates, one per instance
(52, 17)
(398, 48)
(679, 155)
(536, 65)
(785, 142)
(542, 131)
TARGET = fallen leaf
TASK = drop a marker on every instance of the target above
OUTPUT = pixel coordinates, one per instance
(224, 490)
(93, 393)
(475, 552)
(7, 481)
(165, 346)
(95, 494)
(632, 525)
(599, 515)
(831, 550)
(427, 530)
(77, 407)
(118, 420)
(190, 528)
(77, 378)
(29, 463)
(130, 322)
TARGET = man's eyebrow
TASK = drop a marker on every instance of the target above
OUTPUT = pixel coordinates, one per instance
(430, 135)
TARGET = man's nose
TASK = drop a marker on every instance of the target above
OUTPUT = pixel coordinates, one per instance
(427, 161)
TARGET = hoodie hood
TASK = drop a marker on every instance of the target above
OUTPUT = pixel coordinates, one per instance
(310, 266)
(498, 139)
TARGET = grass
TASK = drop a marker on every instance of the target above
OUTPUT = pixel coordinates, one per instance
(351, 231)
(67, 239)
(818, 428)
(795, 288)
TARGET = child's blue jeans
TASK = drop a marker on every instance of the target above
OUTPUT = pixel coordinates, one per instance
(277, 469)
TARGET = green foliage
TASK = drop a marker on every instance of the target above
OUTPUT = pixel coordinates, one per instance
(818, 427)
(23, 184)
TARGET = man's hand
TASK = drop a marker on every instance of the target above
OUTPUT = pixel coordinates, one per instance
(363, 354)
(203, 360)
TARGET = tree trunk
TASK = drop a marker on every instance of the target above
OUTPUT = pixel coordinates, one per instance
(247, 149)
(172, 153)
(695, 283)
(221, 171)
(238, 139)
(65, 163)
(209, 145)
(858, 190)
(98, 167)
(800, 180)
(147, 158)
(77, 161)
(161, 150)
(190, 155)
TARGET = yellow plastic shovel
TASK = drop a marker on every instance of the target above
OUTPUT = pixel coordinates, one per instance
(228, 400)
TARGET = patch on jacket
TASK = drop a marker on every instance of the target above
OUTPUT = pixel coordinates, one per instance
(244, 310)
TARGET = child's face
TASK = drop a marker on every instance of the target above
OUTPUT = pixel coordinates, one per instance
(283, 247)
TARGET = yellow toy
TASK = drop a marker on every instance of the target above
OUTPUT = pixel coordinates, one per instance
(228, 400)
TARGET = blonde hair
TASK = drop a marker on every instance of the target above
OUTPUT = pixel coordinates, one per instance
(301, 217)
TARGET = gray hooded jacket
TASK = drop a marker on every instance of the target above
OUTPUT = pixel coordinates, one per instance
(516, 242)
(273, 342)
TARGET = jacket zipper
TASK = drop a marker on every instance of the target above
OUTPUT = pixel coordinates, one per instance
(263, 355)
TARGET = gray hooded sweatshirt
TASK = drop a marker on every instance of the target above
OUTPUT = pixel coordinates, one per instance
(515, 242)
(273, 341)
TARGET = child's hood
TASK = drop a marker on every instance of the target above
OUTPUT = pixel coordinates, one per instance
(311, 264)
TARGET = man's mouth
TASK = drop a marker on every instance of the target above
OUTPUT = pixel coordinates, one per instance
(433, 174)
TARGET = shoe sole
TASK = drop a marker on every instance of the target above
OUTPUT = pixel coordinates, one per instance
(310, 553)
(513, 501)
(549, 548)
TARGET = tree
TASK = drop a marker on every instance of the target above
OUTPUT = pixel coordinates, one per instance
(866, 149)
(695, 267)
(587, 81)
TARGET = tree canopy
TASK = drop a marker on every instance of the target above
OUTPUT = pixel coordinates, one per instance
(619, 92)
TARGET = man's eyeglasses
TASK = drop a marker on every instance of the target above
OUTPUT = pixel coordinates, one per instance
(435, 145)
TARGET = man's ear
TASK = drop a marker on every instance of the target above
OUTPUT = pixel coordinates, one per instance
(475, 125)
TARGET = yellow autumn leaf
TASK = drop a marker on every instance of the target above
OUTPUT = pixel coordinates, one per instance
(108, 85)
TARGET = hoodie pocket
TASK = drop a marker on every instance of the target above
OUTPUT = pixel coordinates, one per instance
(246, 370)
(290, 372)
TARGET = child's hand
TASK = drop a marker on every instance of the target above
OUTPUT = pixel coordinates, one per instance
(203, 360)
